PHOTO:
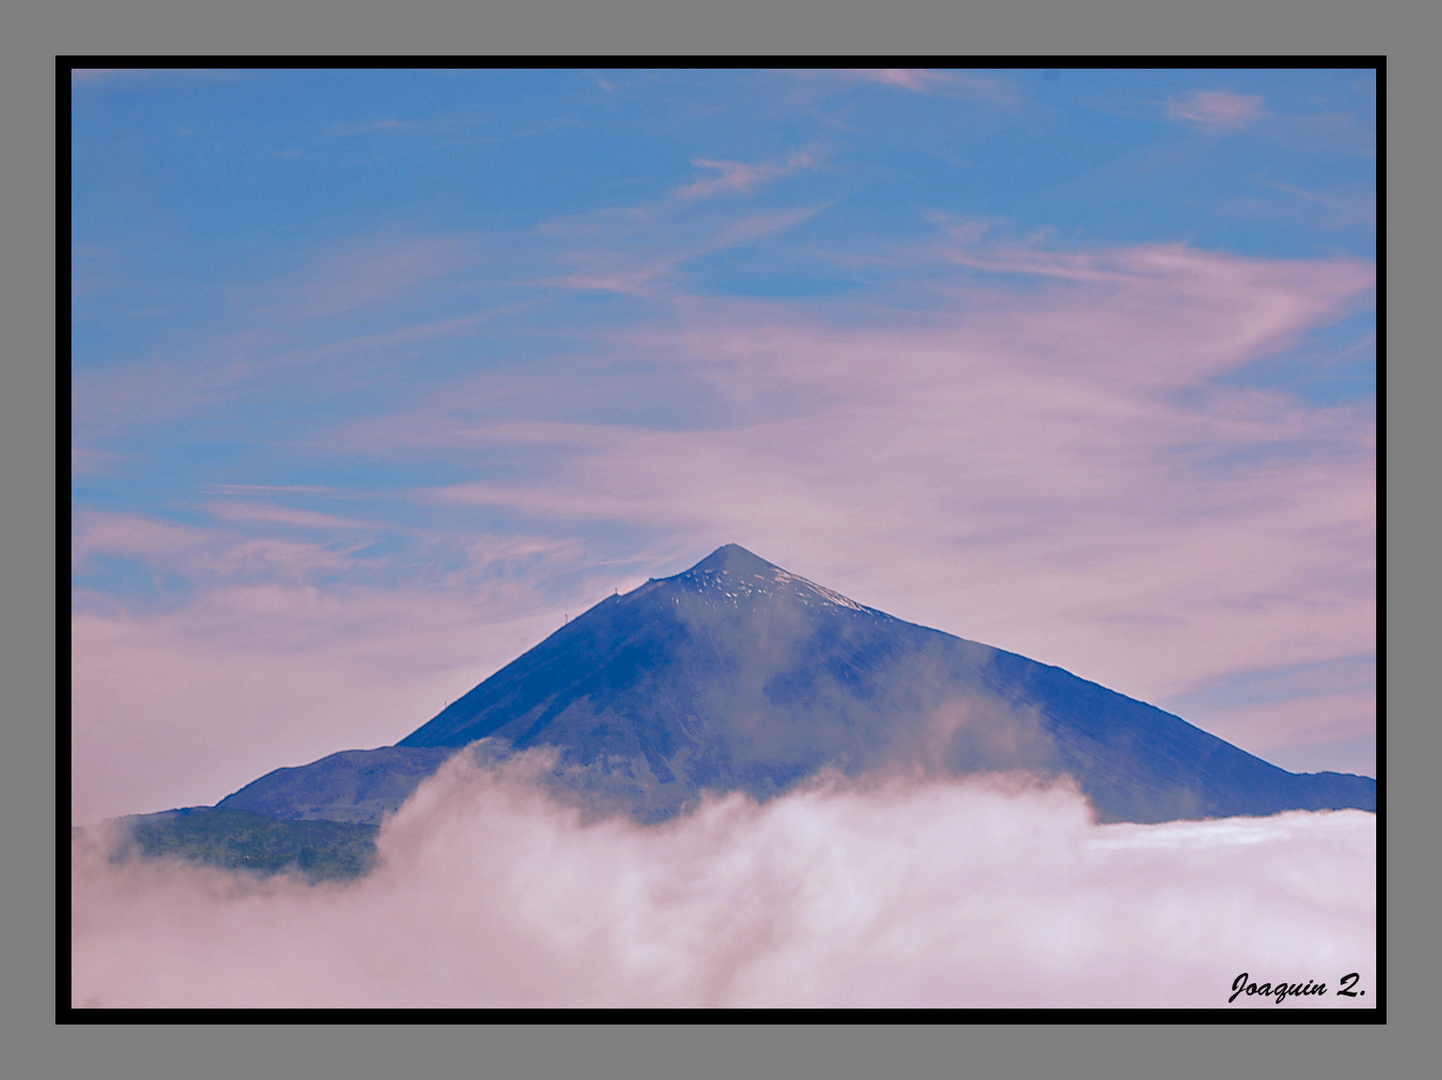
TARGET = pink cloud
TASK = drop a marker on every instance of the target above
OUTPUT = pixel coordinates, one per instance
(1264, 305)
(135, 536)
(1216, 110)
(645, 281)
(990, 893)
(255, 489)
(739, 176)
(763, 225)
(246, 510)
(200, 553)
(918, 79)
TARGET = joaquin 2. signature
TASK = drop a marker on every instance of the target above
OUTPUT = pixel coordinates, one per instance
(1242, 984)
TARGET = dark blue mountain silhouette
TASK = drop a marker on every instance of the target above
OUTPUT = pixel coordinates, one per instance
(739, 676)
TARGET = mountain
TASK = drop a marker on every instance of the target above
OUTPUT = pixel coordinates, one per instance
(737, 675)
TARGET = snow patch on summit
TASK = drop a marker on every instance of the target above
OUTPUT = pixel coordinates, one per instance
(733, 586)
(826, 594)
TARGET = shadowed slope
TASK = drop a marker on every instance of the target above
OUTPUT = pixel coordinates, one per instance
(357, 786)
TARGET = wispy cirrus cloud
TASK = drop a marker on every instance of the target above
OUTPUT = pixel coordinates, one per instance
(758, 226)
(248, 366)
(1074, 431)
(201, 555)
(644, 275)
(1267, 303)
(611, 275)
(741, 177)
(280, 320)
(254, 489)
(247, 510)
(1216, 110)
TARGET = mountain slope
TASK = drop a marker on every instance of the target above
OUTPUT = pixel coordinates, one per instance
(737, 675)
(355, 786)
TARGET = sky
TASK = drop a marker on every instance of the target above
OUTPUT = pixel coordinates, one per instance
(378, 376)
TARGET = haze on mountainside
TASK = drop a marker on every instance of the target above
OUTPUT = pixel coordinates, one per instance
(737, 675)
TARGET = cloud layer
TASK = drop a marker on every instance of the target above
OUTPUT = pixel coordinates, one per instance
(897, 892)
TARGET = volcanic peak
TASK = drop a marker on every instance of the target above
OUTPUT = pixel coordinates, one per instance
(736, 675)
(735, 573)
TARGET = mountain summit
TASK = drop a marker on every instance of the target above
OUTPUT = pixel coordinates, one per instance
(737, 675)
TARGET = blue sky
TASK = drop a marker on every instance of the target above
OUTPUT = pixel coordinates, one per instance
(377, 375)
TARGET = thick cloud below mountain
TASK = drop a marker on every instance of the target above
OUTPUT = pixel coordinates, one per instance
(900, 890)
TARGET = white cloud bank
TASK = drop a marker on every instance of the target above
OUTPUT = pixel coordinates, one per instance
(987, 893)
